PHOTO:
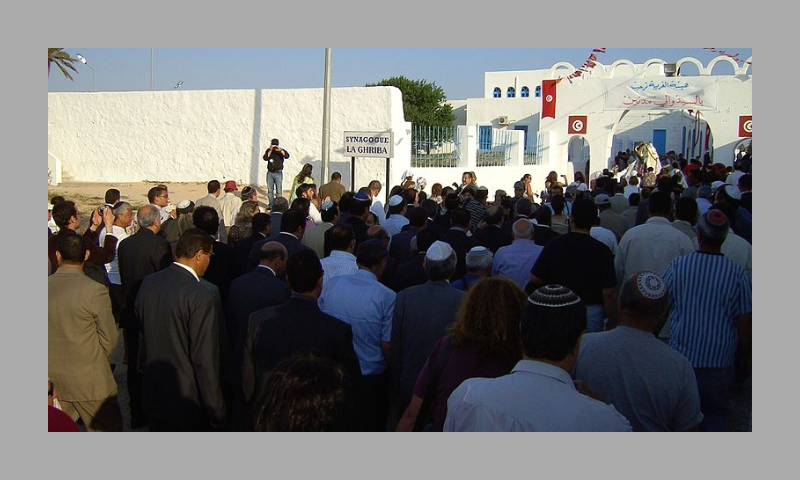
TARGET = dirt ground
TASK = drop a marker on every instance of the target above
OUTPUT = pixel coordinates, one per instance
(88, 196)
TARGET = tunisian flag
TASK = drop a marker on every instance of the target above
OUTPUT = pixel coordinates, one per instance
(549, 98)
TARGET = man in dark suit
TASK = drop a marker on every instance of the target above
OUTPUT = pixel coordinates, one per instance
(262, 288)
(421, 317)
(222, 269)
(412, 272)
(182, 389)
(542, 233)
(493, 236)
(140, 255)
(262, 229)
(400, 245)
(458, 239)
(279, 207)
(359, 211)
(431, 210)
(293, 226)
(296, 326)
(451, 202)
(523, 209)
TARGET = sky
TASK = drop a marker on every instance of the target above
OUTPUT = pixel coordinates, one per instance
(459, 71)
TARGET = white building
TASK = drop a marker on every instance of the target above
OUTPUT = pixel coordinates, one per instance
(665, 111)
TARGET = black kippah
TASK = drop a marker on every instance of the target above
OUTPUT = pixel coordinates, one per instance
(553, 296)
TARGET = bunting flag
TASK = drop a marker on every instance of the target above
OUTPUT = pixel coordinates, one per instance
(734, 57)
(589, 64)
(549, 98)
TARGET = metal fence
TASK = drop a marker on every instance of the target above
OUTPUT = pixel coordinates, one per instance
(494, 147)
(530, 154)
(434, 146)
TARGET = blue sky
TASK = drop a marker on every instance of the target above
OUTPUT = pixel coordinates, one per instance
(458, 70)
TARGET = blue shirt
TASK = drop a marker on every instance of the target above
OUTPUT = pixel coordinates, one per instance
(367, 306)
(707, 293)
(516, 260)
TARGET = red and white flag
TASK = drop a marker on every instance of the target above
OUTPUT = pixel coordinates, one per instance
(549, 98)
(577, 125)
(746, 126)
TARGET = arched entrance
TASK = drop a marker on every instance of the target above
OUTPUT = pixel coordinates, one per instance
(578, 155)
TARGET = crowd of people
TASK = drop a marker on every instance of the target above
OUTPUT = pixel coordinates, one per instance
(613, 305)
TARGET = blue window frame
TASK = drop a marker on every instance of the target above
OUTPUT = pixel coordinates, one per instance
(538, 91)
(511, 93)
(497, 93)
(484, 137)
(524, 93)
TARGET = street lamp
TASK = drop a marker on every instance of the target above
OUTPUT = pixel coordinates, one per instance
(83, 60)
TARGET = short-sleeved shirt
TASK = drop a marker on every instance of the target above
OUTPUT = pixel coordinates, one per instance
(707, 293)
(535, 397)
(464, 362)
(652, 385)
(578, 262)
(113, 267)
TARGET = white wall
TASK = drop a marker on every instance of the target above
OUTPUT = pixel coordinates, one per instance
(190, 136)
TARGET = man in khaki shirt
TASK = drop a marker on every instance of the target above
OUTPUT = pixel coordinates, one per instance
(333, 189)
(81, 338)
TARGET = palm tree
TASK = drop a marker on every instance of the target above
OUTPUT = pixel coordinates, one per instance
(62, 59)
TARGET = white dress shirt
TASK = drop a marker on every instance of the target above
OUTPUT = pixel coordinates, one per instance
(534, 397)
(650, 246)
(113, 266)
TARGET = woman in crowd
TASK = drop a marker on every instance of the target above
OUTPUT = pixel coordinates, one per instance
(483, 342)
(242, 226)
(303, 177)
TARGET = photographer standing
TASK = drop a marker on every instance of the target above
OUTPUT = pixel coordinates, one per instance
(274, 156)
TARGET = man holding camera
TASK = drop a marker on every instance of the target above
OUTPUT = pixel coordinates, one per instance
(274, 156)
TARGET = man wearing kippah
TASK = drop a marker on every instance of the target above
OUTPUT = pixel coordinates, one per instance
(711, 314)
(628, 367)
(539, 394)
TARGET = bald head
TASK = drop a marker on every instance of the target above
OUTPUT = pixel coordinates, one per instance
(378, 233)
(523, 229)
(644, 300)
(274, 256)
(149, 216)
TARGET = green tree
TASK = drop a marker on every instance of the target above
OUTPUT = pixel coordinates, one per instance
(63, 61)
(423, 101)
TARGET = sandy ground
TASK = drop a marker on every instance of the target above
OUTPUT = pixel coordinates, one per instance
(88, 196)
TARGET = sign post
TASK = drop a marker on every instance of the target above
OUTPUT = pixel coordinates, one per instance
(369, 144)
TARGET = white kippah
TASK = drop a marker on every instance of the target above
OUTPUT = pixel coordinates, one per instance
(184, 204)
(651, 285)
(395, 200)
(733, 192)
(439, 251)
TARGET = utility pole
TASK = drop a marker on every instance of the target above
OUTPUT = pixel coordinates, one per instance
(326, 119)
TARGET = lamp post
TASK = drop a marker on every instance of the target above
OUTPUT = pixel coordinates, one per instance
(83, 60)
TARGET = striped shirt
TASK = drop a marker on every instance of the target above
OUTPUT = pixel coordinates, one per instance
(476, 212)
(707, 293)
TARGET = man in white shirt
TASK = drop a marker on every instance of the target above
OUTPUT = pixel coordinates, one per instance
(632, 187)
(377, 206)
(212, 200)
(341, 261)
(538, 394)
(229, 204)
(123, 218)
(396, 220)
(652, 245)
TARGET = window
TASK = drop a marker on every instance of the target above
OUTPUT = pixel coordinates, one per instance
(538, 91)
(524, 93)
(511, 93)
(497, 93)
(484, 137)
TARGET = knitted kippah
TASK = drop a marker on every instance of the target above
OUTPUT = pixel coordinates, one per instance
(326, 205)
(553, 296)
(651, 285)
